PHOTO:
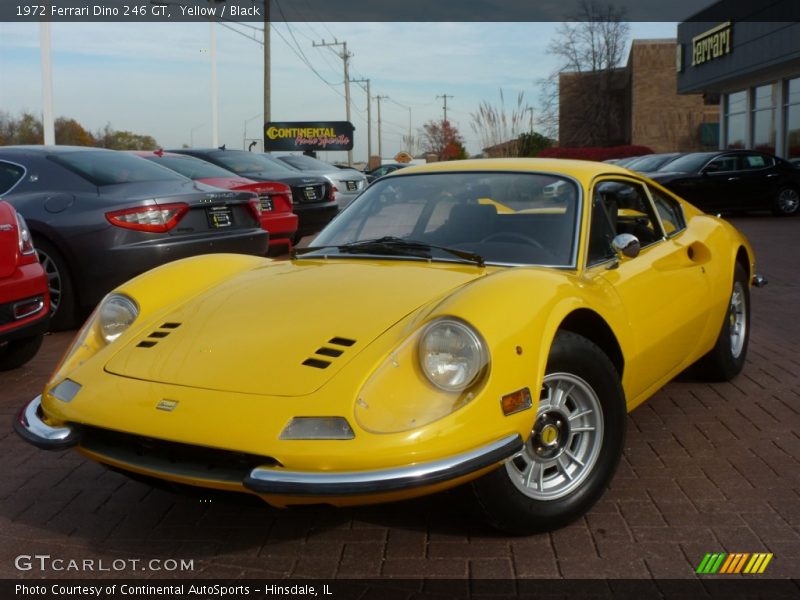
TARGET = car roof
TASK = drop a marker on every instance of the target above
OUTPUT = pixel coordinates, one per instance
(578, 169)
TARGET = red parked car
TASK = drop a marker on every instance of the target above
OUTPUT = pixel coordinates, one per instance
(24, 296)
(275, 198)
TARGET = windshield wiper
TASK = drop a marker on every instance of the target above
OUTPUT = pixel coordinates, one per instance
(395, 246)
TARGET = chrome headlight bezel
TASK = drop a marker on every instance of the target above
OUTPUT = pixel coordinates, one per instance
(115, 315)
(466, 340)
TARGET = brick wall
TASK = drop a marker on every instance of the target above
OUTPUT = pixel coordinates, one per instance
(660, 118)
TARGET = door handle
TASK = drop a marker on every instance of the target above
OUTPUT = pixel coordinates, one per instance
(734, 178)
(772, 175)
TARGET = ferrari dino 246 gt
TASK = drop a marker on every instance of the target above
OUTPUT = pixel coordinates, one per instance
(488, 322)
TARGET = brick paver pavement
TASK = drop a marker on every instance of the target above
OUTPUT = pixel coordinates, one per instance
(707, 468)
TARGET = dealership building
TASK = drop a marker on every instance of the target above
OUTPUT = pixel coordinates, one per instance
(746, 57)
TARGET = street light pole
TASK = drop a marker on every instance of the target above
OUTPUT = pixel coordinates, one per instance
(214, 88)
(47, 85)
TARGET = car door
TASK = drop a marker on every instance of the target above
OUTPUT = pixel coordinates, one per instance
(664, 290)
(718, 183)
(758, 180)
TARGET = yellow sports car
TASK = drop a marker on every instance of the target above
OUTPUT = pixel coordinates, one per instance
(458, 323)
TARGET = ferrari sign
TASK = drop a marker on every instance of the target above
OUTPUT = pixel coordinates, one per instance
(302, 136)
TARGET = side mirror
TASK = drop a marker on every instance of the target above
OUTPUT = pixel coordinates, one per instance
(627, 245)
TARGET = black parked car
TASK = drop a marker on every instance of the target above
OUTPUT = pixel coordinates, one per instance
(651, 162)
(733, 180)
(379, 172)
(99, 217)
(313, 195)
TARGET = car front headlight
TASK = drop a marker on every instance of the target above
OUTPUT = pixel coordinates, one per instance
(116, 314)
(451, 354)
(112, 317)
(434, 372)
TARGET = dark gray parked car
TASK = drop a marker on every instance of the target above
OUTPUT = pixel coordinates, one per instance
(100, 217)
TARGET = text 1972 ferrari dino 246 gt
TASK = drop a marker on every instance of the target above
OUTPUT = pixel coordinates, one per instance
(479, 328)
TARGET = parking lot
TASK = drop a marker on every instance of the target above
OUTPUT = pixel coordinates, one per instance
(707, 468)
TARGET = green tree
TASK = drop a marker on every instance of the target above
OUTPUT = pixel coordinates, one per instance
(124, 140)
(530, 144)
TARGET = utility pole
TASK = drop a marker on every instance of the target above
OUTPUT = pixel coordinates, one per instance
(267, 69)
(48, 123)
(345, 56)
(530, 110)
(445, 96)
(379, 98)
(369, 118)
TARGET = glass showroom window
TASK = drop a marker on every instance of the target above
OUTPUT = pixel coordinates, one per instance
(793, 119)
(765, 100)
(736, 120)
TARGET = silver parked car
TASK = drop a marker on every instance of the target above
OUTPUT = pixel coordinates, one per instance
(349, 182)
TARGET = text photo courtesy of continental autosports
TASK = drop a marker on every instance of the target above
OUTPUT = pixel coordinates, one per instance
(303, 300)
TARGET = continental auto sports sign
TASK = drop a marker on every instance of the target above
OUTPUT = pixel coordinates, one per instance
(312, 135)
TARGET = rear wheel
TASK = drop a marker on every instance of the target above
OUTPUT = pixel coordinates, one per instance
(573, 448)
(787, 202)
(17, 352)
(726, 359)
(62, 292)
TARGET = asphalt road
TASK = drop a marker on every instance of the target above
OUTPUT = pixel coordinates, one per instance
(707, 468)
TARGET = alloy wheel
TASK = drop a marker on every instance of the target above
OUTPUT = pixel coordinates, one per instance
(565, 440)
(737, 319)
(53, 279)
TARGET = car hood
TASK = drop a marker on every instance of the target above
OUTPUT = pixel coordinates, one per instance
(290, 179)
(665, 175)
(285, 329)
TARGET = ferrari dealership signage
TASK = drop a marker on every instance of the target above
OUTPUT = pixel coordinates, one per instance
(308, 135)
(714, 43)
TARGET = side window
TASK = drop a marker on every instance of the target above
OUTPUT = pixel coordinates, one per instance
(670, 212)
(620, 206)
(722, 163)
(756, 161)
(9, 176)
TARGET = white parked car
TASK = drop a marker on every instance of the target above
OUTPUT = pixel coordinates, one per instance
(349, 183)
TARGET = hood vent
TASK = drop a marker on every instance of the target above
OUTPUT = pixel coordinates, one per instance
(320, 363)
(157, 335)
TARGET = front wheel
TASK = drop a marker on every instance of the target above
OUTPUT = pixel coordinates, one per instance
(62, 293)
(573, 448)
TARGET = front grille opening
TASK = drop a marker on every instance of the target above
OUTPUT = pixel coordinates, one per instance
(316, 363)
(340, 341)
(146, 344)
(159, 334)
(329, 352)
(175, 458)
(170, 326)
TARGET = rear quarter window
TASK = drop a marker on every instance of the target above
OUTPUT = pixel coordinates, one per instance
(10, 175)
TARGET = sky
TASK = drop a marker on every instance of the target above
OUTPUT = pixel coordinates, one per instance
(155, 79)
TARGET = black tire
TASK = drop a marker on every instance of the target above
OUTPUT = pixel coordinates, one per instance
(726, 359)
(511, 505)
(63, 314)
(787, 202)
(17, 352)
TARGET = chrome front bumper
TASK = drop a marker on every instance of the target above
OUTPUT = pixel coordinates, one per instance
(304, 483)
(32, 428)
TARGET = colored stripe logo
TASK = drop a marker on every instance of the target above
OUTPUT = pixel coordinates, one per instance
(729, 564)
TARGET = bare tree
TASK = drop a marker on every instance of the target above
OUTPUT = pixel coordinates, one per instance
(495, 125)
(591, 49)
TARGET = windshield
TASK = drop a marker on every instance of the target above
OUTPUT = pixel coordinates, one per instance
(505, 218)
(191, 167)
(650, 163)
(689, 163)
(249, 162)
